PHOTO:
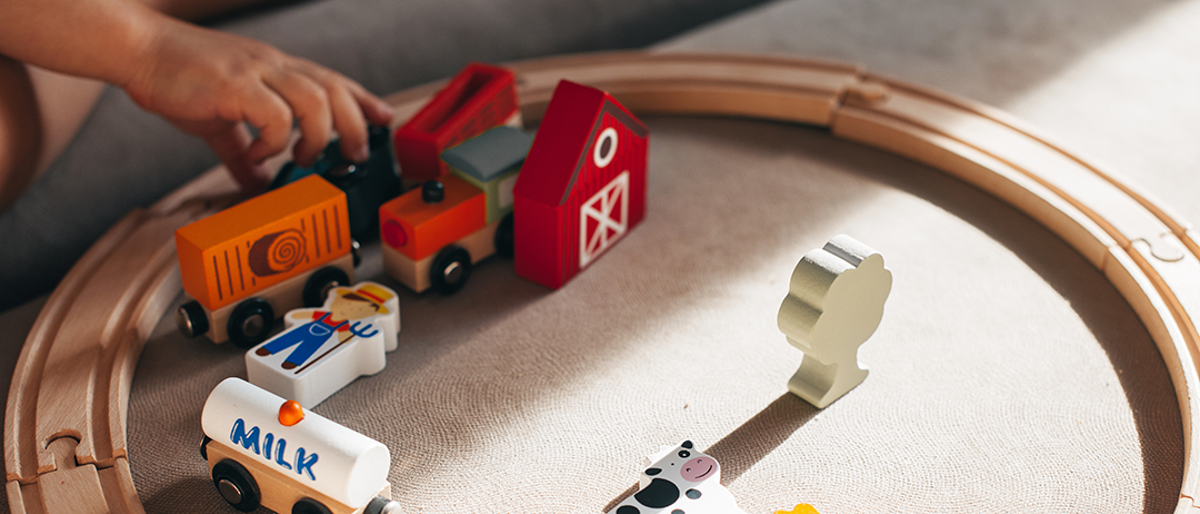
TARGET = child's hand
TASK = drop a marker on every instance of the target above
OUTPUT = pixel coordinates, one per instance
(208, 83)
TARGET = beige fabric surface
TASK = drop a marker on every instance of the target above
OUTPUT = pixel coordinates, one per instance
(1006, 375)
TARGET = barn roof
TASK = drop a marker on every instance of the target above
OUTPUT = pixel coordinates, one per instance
(570, 124)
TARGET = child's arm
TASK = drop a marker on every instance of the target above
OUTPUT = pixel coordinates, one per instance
(205, 82)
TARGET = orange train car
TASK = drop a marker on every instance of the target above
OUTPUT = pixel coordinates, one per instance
(433, 234)
(265, 256)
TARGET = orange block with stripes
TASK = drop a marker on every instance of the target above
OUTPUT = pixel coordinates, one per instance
(263, 241)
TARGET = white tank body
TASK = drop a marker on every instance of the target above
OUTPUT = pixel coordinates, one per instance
(316, 452)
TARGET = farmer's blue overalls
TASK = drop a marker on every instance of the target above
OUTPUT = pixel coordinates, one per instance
(310, 336)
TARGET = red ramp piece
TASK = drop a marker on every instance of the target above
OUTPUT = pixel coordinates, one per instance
(583, 186)
(480, 97)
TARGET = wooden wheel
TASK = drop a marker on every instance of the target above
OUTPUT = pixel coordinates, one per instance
(107, 305)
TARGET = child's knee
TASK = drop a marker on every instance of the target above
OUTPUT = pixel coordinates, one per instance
(20, 131)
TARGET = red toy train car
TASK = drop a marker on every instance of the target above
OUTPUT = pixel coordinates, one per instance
(480, 97)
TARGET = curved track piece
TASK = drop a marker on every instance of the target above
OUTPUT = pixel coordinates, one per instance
(1150, 255)
(64, 433)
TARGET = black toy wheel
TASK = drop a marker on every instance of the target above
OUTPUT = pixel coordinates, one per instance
(356, 252)
(250, 323)
(451, 269)
(191, 319)
(204, 447)
(320, 283)
(381, 505)
(433, 192)
(310, 506)
(504, 237)
(236, 485)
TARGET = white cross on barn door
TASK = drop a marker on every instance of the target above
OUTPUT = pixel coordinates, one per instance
(603, 219)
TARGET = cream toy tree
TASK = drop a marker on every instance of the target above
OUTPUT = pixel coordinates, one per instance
(834, 303)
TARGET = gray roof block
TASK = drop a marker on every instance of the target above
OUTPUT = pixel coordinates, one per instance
(487, 155)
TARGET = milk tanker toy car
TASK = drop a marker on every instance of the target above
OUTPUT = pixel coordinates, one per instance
(247, 264)
(265, 451)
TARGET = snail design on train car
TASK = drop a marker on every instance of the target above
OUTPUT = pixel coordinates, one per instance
(265, 451)
(277, 252)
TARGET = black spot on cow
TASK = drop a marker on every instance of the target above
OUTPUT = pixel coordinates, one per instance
(659, 494)
(687, 444)
(653, 471)
(692, 493)
(628, 509)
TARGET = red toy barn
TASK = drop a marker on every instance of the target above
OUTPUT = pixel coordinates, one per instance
(583, 186)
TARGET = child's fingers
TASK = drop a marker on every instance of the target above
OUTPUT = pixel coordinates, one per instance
(377, 111)
(347, 117)
(230, 140)
(348, 120)
(230, 145)
(270, 114)
(310, 104)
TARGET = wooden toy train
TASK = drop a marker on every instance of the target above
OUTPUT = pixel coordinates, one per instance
(555, 203)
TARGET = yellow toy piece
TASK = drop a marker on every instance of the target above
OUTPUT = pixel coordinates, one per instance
(803, 508)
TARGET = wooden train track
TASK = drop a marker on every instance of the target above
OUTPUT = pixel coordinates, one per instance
(64, 432)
